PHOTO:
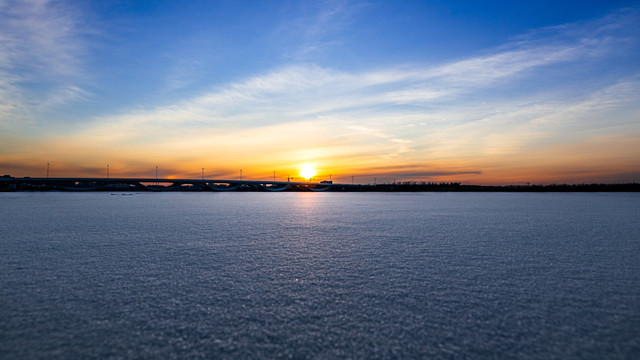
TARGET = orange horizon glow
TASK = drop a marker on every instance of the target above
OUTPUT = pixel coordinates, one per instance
(558, 174)
(602, 159)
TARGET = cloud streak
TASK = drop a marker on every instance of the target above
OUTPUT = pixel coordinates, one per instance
(306, 91)
(40, 48)
(318, 28)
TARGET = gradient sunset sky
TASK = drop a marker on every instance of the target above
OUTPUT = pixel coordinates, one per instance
(483, 92)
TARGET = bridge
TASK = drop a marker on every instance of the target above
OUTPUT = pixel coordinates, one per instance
(152, 184)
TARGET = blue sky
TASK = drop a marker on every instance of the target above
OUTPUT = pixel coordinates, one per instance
(480, 92)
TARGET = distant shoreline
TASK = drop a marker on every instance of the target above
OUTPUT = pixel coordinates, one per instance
(10, 184)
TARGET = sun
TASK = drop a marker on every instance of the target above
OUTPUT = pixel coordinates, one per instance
(307, 172)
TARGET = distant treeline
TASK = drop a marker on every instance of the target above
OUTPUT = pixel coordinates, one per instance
(28, 184)
(416, 186)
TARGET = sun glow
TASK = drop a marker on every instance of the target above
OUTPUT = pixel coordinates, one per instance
(307, 172)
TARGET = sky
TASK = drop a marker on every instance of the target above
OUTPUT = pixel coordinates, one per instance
(478, 92)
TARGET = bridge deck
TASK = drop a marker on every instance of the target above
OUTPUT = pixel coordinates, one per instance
(153, 184)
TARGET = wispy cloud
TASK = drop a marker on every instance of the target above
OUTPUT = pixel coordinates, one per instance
(39, 36)
(319, 27)
(303, 92)
(39, 57)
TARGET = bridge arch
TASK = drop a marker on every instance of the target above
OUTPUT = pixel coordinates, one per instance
(313, 187)
(223, 186)
(273, 187)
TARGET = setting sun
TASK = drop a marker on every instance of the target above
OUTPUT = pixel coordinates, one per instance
(307, 172)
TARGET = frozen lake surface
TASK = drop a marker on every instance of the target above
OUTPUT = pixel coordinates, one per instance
(320, 275)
